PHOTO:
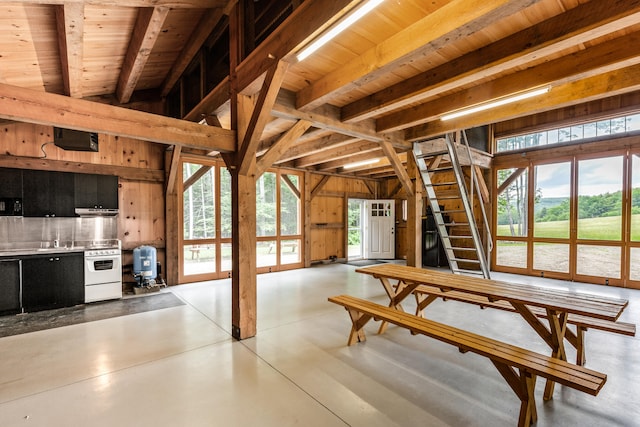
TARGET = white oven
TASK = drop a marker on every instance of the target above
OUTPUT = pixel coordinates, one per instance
(102, 274)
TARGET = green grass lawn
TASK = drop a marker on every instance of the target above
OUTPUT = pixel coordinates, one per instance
(608, 228)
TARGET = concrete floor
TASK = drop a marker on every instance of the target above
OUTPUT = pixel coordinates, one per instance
(179, 366)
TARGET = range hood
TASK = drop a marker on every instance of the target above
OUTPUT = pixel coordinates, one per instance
(96, 212)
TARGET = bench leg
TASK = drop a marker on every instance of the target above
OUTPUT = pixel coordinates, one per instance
(523, 384)
(358, 320)
(558, 325)
(581, 357)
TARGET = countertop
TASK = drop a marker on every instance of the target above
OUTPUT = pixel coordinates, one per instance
(45, 248)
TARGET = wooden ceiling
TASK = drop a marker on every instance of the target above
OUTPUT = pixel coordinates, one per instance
(384, 82)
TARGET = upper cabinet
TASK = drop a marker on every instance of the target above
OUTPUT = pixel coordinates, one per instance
(57, 194)
(11, 183)
(96, 191)
(48, 194)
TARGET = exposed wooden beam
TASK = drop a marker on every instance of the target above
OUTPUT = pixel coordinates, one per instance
(312, 147)
(70, 24)
(323, 181)
(595, 87)
(578, 25)
(398, 167)
(173, 4)
(281, 146)
(291, 185)
(337, 154)
(507, 182)
(587, 62)
(364, 130)
(453, 21)
(260, 115)
(145, 33)
(338, 164)
(50, 109)
(199, 35)
(300, 27)
(215, 99)
(174, 170)
(202, 170)
(124, 172)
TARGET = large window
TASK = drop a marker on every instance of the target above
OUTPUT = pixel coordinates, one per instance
(577, 211)
(206, 226)
(630, 123)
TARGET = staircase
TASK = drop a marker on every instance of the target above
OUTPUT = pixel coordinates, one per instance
(442, 173)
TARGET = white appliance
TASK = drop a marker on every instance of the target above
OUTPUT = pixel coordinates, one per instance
(102, 274)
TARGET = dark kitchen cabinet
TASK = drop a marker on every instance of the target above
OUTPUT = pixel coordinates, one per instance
(96, 191)
(52, 281)
(48, 194)
(10, 286)
(11, 183)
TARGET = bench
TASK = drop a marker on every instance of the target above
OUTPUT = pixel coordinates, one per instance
(518, 366)
(292, 245)
(426, 294)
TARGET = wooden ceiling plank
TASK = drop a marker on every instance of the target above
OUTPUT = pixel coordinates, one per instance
(199, 35)
(398, 167)
(454, 21)
(596, 87)
(594, 60)
(281, 146)
(260, 115)
(70, 26)
(50, 109)
(145, 33)
(576, 26)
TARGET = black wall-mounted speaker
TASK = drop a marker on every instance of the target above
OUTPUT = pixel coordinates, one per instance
(75, 140)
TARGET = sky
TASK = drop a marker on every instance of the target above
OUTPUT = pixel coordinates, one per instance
(598, 176)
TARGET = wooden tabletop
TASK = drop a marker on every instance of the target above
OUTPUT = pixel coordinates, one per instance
(559, 300)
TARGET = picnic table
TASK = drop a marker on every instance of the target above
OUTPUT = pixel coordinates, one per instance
(558, 304)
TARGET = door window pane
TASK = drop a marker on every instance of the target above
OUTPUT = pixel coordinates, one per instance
(289, 205)
(635, 198)
(603, 261)
(290, 251)
(600, 199)
(225, 203)
(551, 257)
(511, 254)
(266, 253)
(552, 200)
(266, 205)
(198, 201)
(634, 264)
(225, 256)
(199, 259)
(512, 202)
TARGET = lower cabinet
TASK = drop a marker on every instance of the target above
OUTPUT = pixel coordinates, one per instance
(52, 281)
(9, 286)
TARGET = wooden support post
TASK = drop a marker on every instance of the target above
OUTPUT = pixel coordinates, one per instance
(307, 219)
(243, 275)
(414, 217)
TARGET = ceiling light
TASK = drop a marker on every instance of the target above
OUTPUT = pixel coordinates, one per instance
(337, 29)
(496, 103)
(362, 163)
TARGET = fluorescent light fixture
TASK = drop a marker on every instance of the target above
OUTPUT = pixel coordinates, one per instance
(367, 7)
(496, 103)
(362, 163)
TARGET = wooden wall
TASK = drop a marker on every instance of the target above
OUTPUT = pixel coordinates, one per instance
(138, 164)
(328, 213)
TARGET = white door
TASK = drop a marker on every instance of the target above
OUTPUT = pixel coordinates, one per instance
(381, 229)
